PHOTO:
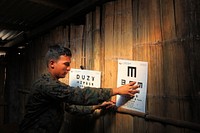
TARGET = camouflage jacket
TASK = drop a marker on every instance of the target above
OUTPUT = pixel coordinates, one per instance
(79, 110)
(44, 110)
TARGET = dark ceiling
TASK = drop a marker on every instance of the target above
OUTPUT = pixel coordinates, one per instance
(19, 18)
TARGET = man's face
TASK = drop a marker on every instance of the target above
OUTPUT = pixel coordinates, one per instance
(61, 66)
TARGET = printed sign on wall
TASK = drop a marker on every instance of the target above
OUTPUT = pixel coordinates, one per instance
(133, 71)
(84, 78)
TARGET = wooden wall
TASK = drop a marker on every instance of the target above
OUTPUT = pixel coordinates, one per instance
(2, 88)
(165, 33)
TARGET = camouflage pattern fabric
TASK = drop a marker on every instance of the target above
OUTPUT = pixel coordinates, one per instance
(79, 109)
(45, 110)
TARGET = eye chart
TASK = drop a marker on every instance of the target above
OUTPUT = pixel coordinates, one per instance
(133, 71)
(84, 78)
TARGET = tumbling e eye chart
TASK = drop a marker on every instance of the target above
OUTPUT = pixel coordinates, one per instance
(84, 78)
(133, 71)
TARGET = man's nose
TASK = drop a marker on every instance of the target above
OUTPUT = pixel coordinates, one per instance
(68, 68)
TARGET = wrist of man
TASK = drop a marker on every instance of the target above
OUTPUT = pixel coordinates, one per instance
(115, 91)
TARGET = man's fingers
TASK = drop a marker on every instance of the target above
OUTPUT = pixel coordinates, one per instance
(132, 83)
(135, 87)
(134, 91)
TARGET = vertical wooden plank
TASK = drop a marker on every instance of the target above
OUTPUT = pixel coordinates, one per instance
(124, 123)
(154, 57)
(73, 46)
(110, 63)
(124, 32)
(126, 45)
(155, 127)
(88, 46)
(140, 47)
(109, 46)
(117, 39)
(58, 35)
(109, 123)
(98, 61)
(118, 48)
(170, 70)
(76, 33)
(117, 33)
(79, 46)
(135, 27)
(97, 45)
(139, 125)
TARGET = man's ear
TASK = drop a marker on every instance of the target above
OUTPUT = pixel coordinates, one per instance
(51, 63)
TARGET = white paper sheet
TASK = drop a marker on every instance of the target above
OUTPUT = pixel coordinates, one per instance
(84, 78)
(129, 70)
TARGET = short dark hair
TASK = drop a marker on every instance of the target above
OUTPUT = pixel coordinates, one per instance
(55, 51)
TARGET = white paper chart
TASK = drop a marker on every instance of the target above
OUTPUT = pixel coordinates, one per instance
(84, 78)
(128, 71)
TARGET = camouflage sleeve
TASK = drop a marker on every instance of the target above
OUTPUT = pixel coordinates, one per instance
(75, 95)
(79, 109)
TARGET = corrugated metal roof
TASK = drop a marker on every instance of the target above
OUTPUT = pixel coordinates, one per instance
(18, 16)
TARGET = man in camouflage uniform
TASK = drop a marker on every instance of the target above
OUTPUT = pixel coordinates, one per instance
(44, 110)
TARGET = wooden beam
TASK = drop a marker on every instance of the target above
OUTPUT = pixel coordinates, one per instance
(74, 11)
(52, 3)
(9, 26)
